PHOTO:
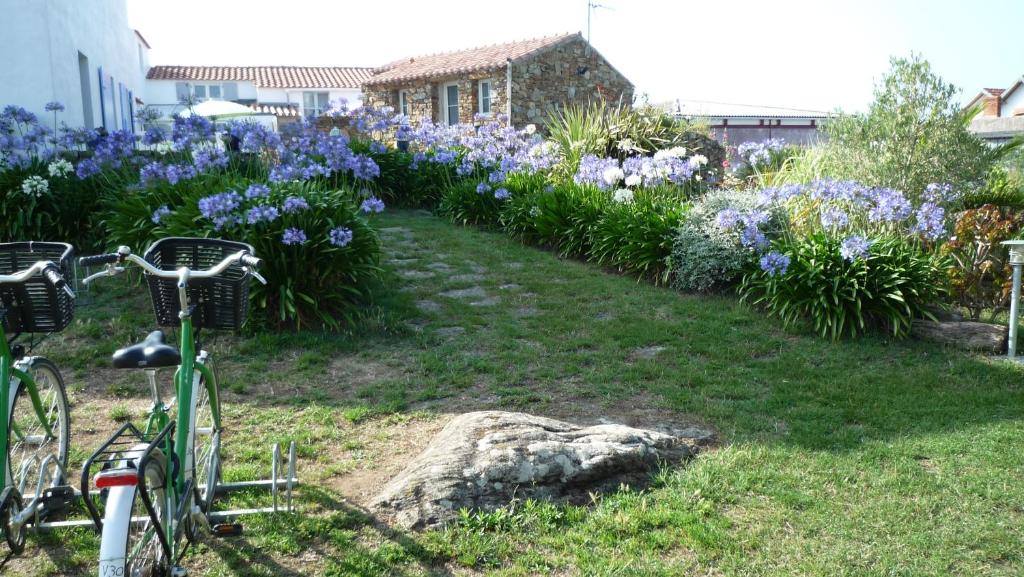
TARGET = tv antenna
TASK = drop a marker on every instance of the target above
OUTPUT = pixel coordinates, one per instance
(591, 7)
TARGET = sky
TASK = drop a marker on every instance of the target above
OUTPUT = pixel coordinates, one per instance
(821, 55)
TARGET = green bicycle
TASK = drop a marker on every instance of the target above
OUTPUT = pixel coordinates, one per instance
(160, 482)
(34, 298)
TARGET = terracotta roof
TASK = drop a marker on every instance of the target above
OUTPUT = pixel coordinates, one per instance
(480, 59)
(994, 91)
(268, 76)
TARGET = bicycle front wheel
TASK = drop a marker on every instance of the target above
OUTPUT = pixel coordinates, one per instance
(35, 435)
(205, 440)
(130, 544)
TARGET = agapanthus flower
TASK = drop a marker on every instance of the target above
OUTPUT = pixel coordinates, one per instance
(939, 193)
(612, 175)
(482, 187)
(623, 195)
(293, 236)
(35, 186)
(634, 180)
(219, 204)
(340, 236)
(257, 191)
(752, 237)
(775, 263)
(372, 204)
(54, 106)
(60, 168)
(888, 206)
(502, 194)
(930, 221)
(378, 148)
(294, 204)
(854, 247)
(833, 217)
(86, 168)
(159, 214)
(261, 214)
(154, 136)
(728, 218)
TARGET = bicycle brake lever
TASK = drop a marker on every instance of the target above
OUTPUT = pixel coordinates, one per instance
(111, 270)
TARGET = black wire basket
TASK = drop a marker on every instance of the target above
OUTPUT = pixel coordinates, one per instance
(218, 303)
(35, 306)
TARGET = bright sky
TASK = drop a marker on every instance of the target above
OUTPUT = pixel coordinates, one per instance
(818, 55)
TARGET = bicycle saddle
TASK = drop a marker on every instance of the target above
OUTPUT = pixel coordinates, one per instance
(149, 354)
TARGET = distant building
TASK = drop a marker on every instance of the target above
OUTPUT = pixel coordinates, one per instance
(288, 92)
(525, 80)
(738, 123)
(1002, 113)
(82, 54)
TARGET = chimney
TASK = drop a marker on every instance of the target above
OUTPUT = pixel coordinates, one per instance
(990, 102)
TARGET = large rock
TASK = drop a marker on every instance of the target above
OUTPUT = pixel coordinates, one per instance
(484, 460)
(965, 335)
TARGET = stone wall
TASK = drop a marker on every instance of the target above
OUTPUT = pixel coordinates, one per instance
(425, 97)
(569, 73)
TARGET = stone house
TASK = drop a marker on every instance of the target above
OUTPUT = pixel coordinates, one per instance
(524, 80)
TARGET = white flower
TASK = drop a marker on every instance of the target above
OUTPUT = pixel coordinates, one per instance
(35, 186)
(626, 145)
(623, 195)
(698, 177)
(60, 168)
(633, 180)
(613, 175)
(699, 159)
(674, 152)
(530, 128)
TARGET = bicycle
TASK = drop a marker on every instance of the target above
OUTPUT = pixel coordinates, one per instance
(33, 401)
(161, 481)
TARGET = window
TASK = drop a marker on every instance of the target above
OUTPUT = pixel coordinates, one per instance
(485, 96)
(199, 91)
(213, 91)
(403, 102)
(313, 103)
(451, 104)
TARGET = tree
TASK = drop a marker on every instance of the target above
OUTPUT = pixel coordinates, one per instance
(913, 134)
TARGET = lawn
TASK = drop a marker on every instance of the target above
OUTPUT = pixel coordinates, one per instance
(863, 457)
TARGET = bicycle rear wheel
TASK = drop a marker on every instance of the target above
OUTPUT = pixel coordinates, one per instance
(130, 544)
(31, 439)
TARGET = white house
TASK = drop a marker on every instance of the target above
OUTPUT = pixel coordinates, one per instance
(1002, 113)
(81, 53)
(285, 91)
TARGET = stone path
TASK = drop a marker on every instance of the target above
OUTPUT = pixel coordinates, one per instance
(440, 284)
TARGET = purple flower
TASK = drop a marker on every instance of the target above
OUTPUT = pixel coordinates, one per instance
(855, 247)
(219, 208)
(728, 219)
(482, 188)
(262, 214)
(939, 193)
(294, 204)
(153, 136)
(888, 205)
(54, 106)
(775, 263)
(87, 168)
(834, 218)
(257, 191)
(340, 236)
(151, 172)
(293, 236)
(160, 213)
(372, 204)
(930, 221)
(502, 194)
(752, 237)
(378, 148)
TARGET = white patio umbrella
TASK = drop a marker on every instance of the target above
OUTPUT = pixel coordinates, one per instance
(219, 110)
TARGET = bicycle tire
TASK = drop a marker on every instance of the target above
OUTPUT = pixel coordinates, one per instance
(126, 547)
(54, 398)
(203, 430)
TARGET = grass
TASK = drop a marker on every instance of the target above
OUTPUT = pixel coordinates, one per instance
(864, 457)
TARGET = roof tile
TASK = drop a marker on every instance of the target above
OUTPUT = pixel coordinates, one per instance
(268, 76)
(463, 61)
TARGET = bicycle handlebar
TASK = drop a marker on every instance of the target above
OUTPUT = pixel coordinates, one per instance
(182, 274)
(46, 268)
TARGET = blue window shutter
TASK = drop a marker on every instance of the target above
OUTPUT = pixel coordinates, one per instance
(103, 106)
(131, 110)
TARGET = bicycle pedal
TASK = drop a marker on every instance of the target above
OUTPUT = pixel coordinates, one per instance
(57, 499)
(226, 529)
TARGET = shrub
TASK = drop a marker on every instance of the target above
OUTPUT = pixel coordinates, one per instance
(636, 236)
(980, 280)
(321, 258)
(473, 202)
(706, 256)
(845, 289)
(60, 208)
(567, 215)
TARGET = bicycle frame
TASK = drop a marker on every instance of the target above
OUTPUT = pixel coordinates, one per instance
(8, 370)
